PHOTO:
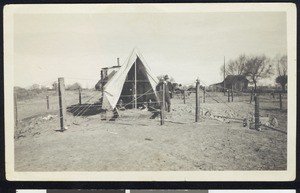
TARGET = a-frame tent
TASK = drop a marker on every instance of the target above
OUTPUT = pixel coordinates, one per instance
(134, 83)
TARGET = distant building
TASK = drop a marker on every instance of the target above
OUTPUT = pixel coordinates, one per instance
(235, 82)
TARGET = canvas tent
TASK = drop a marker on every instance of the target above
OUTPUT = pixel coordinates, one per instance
(134, 83)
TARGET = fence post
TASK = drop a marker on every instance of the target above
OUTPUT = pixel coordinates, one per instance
(256, 113)
(47, 98)
(79, 97)
(16, 108)
(197, 118)
(252, 92)
(204, 94)
(231, 95)
(228, 94)
(184, 93)
(62, 103)
(280, 101)
(162, 105)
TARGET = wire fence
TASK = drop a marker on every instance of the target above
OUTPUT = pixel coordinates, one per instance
(85, 102)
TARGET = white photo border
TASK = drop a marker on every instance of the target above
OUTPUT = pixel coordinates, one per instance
(287, 175)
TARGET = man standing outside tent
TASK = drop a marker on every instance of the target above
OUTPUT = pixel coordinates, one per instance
(169, 85)
(167, 92)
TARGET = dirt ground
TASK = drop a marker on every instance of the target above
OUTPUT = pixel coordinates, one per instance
(134, 142)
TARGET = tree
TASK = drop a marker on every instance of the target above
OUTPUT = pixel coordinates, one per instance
(257, 68)
(281, 71)
(35, 87)
(282, 80)
(54, 85)
(235, 67)
(74, 86)
(282, 65)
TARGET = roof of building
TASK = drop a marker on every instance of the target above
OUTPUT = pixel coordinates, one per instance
(110, 67)
(232, 78)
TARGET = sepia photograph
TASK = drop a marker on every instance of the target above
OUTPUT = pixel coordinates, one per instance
(150, 92)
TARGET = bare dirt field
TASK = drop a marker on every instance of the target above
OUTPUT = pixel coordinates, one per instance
(134, 142)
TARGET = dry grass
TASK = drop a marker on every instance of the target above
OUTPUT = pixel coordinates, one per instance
(136, 143)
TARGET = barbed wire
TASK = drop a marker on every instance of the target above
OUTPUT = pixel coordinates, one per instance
(140, 96)
(85, 102)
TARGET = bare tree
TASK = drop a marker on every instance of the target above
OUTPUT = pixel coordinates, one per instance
(282, 71)
(35, 87)
(257, 68)
(235, 67)
(74, 86)
(54, 85)
(282, 65)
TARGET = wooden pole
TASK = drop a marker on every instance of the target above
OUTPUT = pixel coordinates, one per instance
(228, 94)
(47, 98)
(16, 108)
(162, 105)
(197, 116)
(204, 94)
(256, 113)
(252, 92)
(184, 93)
(280, 101)
(79, 96)
(133, 95)
(62, 103)
(231, 94)
(224, 76)
(135, 86)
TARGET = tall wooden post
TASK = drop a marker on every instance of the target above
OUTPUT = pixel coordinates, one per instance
(79, 96)
(231, 94)
(184, 93)
(135, 86)
(16, 108)
(197, 117)
(62, 102)
(133, 96)
(47, 98)
(252, 93)
(228, 95)
(204, 94)
(224, 77)
(256, 113)
(280, 101)
(162, 105)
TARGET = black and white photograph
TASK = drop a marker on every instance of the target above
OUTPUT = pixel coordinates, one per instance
(150, 92)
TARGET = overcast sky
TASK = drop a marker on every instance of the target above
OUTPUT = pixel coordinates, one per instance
(182, 45)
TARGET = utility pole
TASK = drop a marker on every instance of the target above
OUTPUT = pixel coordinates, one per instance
(224, 76)
(135, 86)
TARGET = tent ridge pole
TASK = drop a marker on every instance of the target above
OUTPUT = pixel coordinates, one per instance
(135, 82)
